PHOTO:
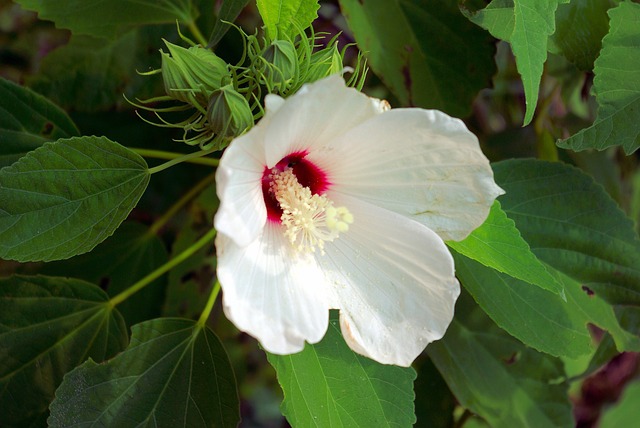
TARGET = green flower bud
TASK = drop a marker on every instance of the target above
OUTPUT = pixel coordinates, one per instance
(324, 63)
(282, 62)
(191, 75)
(228, 112)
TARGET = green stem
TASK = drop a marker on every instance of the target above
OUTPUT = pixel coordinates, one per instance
(204, 316)
(173, 210)
(197, 34)
(159, 154)
(191, 157)
(119, 298)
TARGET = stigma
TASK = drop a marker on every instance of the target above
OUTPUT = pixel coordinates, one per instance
(308, 220)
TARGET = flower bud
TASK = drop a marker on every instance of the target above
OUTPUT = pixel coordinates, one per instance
(324, 63)
(282, 61)
(190, 75)
(228, 112)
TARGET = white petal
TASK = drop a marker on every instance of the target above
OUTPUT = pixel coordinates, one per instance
(278, 299)
(394, 281)
(242, 213)
(314, 116)
(419, 163)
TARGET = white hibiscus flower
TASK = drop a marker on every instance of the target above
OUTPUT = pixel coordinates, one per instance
(335, 201)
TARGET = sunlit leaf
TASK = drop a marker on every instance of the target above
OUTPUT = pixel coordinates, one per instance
(117, 263)
(573, 225)
(175, 373)
(327, 384)
(47, 327)
(616, 85)
(66, 197)
(534, 22)
(497, 18)
(539, 318)
(426, 52)
(28, 120)
(499, 378)
(279, 16)
(109, 18)
(498, 244)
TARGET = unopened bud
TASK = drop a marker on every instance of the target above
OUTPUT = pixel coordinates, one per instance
(228, 112)
(324, 63)
(282, 62)
(191, 75)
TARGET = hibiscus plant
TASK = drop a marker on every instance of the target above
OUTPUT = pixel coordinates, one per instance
(326, 213)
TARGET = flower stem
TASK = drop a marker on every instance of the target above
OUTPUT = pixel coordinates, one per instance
(204, 316)
(160, 154)
(195, 157)
(196, 33)
(195, 190)
(119, 298)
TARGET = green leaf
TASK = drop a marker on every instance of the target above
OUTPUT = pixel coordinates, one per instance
(110, 18)
(498, 377)
(497, 18)
(435, 404)
(327, 384)
(91, 74)
(130, 254)
(175, 373)
(534, 23)
(498, 244)
(66, 197)
(47, 327)
(538, 318)
(616, 85)
(426, 52)
(229, 11)
(280, 17)
(27, 120)
(580, 47)
(573, 225)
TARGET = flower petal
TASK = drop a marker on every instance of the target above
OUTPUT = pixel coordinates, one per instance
(242, 213)
(315, 115)
(394, 282)
(419, 163)
(277, 298)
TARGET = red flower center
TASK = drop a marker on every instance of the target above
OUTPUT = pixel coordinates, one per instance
(307, 173)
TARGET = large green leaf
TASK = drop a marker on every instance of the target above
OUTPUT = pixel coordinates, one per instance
(110, 18)
(498, 244)
(327, 384)
(497, 18)
(538, 318)
(130, 254)
(499, 378)
(280, 17)
(27, 120)
(66, 197)
(426, 52)
(47, 327)
(573, 225)
(175, 373)
(617, 86)
(92, 74)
